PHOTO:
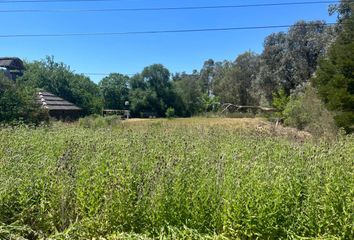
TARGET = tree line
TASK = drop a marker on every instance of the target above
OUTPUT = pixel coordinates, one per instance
(309, 55)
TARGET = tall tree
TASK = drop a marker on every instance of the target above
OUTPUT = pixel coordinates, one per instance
(335, 76)
(343, 10)
(157, 78)
(234, 83)
(114, 90)
(60, 80)
(307, 42)
(144, 101)
(290, 59)
(271, 70)
(151, 91)
(17, 102)
(207, 75)
(189, 93)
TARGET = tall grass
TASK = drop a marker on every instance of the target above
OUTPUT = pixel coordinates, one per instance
(173, 181)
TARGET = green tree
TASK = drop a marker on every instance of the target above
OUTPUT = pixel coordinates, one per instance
(189, 93)
(144, 101)
(210, 103)
(157, 78)
(343, 9)
(60, 80)
(305, 111)
(235, 83)
(114, 90)
(151, 91)
(280, 100)
(17, 103)
(207, 75)
(290, 59)
(335, 75)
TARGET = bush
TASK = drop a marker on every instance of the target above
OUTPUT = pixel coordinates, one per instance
(345, 120)
(17, 104)
(170, 113)
(280, 100)
(305, 111)
(160, 181)
(96, 121)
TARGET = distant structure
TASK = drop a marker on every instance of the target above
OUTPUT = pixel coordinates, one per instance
(12, 67)
(124, 114)
(57, 107)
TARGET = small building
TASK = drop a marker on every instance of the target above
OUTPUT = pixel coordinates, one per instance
(58, 107)
(12, 66)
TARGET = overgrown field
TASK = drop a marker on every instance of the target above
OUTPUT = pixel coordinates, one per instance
(173, 180)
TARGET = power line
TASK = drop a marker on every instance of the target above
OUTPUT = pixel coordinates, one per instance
(155, 31)
(167, 8)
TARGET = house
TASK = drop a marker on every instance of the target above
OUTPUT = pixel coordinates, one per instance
(12, 66)
(58, 107)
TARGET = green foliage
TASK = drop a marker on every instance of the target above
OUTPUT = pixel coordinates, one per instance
(189, 94)
(97, 121)
(335, 76)
(144, 100)
(210, 103)
(280, 100)
(343, 9)
(207, 74)
(16, 232)
(152, 180)
(151, 91)
(305, 111)
(17, 104)
(58, 79)
(235, 82)
(114, 90)
(170, 112)
(289, 59)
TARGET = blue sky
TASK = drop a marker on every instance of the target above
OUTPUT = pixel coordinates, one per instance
(130, 54)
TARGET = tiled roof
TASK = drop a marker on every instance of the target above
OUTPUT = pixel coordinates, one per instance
(11, 63)
(52, 102)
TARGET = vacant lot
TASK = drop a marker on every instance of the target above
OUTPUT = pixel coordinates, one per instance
(174, 179)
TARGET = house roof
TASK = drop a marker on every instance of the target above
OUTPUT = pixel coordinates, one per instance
(51, 102)
(11, 63)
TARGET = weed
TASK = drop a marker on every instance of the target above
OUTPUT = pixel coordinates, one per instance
(178, 179)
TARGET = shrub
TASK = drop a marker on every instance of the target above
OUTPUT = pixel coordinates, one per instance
(170, 112)
(17, 104)
(96, 121)
(345, 120)
(305, 111)
(280, 100)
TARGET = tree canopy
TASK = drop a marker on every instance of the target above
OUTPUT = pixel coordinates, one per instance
(114, 90)
(234, 83)
(308, 50)
(151, 91)
(335, 75)
(17, 103)
(58, 79)
(289, 59)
